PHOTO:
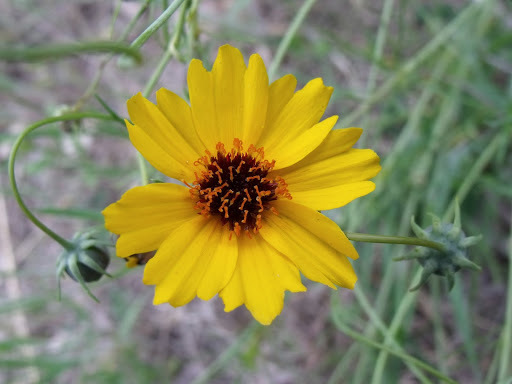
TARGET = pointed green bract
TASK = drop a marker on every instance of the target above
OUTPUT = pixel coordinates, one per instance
(418, 231)
(442, 262)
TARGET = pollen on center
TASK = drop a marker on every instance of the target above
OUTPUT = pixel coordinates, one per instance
(233, 186)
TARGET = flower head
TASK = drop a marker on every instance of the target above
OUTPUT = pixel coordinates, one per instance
(257, 164)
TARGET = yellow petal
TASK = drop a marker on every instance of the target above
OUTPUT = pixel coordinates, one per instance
(289, 152)
(145, 115)
(255, 100)
(279, 94)
(179, 114)
(262, 275)
(332, 197)
(304, 110)
(200, 88)
(181, 261)
(345, 168)
(157, 156)
(221, 264)
(314, 243)
(336, 142)
(228, 87)
(145, 216)
(233, 293)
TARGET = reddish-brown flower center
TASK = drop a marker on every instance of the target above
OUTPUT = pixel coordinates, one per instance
(235, 187)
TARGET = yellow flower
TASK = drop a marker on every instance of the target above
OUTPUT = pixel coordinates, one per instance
(257, 164)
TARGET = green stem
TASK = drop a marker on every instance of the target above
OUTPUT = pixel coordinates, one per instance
(12, 158)
(290, 33)
(55, 51)
(144, 36)
(170, 52)
(97, 77)
(506, 349)
(379, 46)
(144, 179)
(231, 352)
(362, 237)
(483, 160)
(410, 66)
(379, 324)
(405, 357)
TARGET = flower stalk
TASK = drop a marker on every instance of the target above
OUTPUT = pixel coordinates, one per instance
(12, 176)
(366, 238)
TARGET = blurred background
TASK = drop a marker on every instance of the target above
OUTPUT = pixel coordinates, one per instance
(429, 81)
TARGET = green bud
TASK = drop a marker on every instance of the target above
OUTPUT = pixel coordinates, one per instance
(126, 62)
(85, 262)
(442, 263)
(90, 264)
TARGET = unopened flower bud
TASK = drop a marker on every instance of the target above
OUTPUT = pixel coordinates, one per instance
(449, 261)
(85, 262)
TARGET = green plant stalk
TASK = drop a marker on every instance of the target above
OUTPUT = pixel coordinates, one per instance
(379, 324)
(344, 364)
(365, 238)
(229, 353)
(144, 36)
(143, 169)
(418, 112)
(439, 333)
(389, 279)
(427, 51)
(97, 77)
(56, 51)
(115, 15)
(170, 52)
(376, 58)
(492, 371)
(506, 348)
(405, 357)
(289, 35)
(423, 168)
(466, 185)
(409, 299)
(12, 159)
(165, 31)
(398, 319)
(485, 157)
(379, 45)
(193, 30)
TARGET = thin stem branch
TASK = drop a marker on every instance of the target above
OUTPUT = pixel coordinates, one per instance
(506, 349)
(144, 36)
(365, 238)
(12, 159)
(405, 357)
(289, 35)
(428, 50)
(99, 73)
(170, 52)
(56, 51)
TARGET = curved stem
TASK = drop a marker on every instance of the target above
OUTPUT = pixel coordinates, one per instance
(12, 158)
(362, 237)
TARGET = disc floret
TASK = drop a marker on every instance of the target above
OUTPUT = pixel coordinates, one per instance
(234, 186)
